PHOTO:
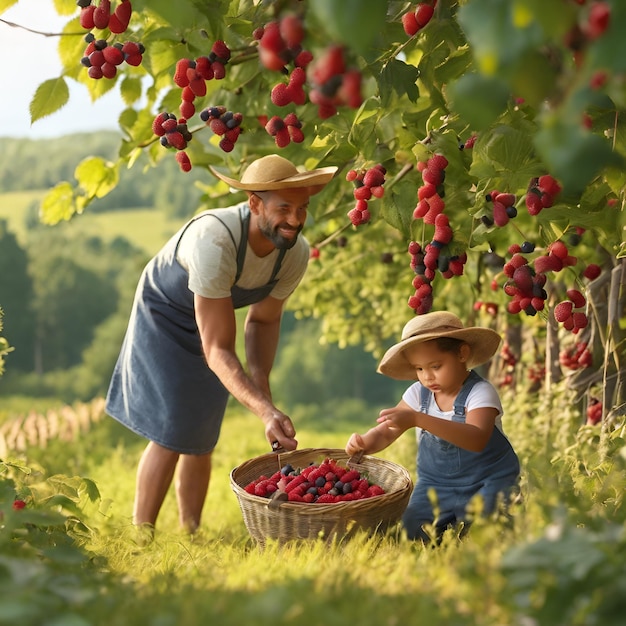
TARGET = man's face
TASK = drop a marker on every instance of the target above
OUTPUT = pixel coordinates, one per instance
(281, 215)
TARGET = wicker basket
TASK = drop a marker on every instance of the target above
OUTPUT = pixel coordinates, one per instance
(295, 520)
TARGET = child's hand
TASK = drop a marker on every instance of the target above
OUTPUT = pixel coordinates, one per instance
(399, 417)
(355, 444)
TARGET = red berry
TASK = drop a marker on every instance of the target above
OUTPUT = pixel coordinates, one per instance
(409, 23)
(563, 310)
(576, 297)
(592, 271)
(423, 14)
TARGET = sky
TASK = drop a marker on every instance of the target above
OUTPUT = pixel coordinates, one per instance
(28, 59)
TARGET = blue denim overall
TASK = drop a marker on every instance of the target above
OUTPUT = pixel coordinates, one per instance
(162, 388)
(456, 475)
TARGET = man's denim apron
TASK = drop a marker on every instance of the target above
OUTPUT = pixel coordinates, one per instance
(162, 388)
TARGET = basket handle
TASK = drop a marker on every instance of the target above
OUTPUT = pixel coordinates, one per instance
(356, 457)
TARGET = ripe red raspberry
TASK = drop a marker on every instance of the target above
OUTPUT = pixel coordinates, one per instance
(577, 298)
(113, 55)
(102, 14)
(563, 311)
(500, 216)
(592, 271)
(296, 134)
(432, 175)
(297, 77)
(291, 30)
(221, 50)
(218, 126)
(426, 191)
(548, 263)
(374, 177)
(157, 124)
(362, 193)
(183, 160)
(409, 23)
(280, 95)
(558, 248)
(86, 17)
(186, 109)
(204, 68)
(180, 74)
(423, 14)
(219, 70)
(438, 161)
(580, 319)
(303, 59)
(598, 19)
(18, 505)
(176, 140)
(282, 137)
(533, 203)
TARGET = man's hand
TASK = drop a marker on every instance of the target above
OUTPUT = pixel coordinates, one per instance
(279, 430)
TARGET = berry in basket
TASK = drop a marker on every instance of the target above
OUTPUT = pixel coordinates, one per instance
(324, 483)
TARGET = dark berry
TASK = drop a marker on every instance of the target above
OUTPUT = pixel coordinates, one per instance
(527, 247)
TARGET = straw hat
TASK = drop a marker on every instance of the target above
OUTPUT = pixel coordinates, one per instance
(483, 342)
(275, 172)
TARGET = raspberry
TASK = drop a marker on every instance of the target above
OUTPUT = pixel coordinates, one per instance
(183, 160)
(86, 17)
(303, 59)
(558, 248)
(432, 175)
(274, 124)
(507, 199)
(548, 184)
(580, 319)
(500, 216)
(180, 74)
(218, 126)
(198, 86)
(426, 191)
(592, 271)
(423, 14)
(176, 140)
(282, 138)
(563, 310)
(438, 161)
(291, 30)
(108, 70)
(548, 263)
(533, 203)
(362, 193)
(409, 23)
(221, 50)
(157, 124)
(102, 14)
(296, 134)
(576, 297)
(226, 144)
(113, 55)
(204, 68)
(280, 95)
(219, 71)
(598, 19)
(374, 177)
(187, 109)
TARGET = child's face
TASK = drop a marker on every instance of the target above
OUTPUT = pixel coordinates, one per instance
(439, 370)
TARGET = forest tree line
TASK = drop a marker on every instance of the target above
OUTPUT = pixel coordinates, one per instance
(66, 300)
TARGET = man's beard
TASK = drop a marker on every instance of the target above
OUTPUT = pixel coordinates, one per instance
(280, 242)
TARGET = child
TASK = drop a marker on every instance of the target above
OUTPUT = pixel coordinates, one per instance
(462, 451)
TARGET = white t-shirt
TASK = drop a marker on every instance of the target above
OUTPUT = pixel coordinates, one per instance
(209, 255)
(482, 394)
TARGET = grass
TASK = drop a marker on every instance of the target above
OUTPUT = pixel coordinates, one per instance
(145, 228)
(560, 563)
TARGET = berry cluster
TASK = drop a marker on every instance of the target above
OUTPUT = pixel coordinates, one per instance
(565, 313)
(524, 286)
(103, 59)
(594, 411)
(285, 93)
(430, 193)
(541, 193)
(333, 84)
(491, 308)
(368, 183)
(284, 130)
(192, 75)
(415, 19)
(174, 134)
(99, 15)
(280, 43)
(100, 57)
(436, 255)
(325, 483)
(509, 361)
(223, 123)
(577, 357)
(503, 208)
(537, 373)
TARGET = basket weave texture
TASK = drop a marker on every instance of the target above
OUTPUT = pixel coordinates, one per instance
(297, 520)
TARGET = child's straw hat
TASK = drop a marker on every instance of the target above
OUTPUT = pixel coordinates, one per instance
(483, 342)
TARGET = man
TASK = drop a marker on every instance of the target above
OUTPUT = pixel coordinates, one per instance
(178, 364)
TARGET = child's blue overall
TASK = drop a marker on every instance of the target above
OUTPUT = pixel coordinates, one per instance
(456, 475)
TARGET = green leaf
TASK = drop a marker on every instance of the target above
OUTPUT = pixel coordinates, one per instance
(355, 23)
(96, 177)
(50, 96)
(130, 89)
(478, 99)
(400, 78)
(58, 204)
(398, 204)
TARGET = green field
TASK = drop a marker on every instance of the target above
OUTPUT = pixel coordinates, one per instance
(143, 227)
